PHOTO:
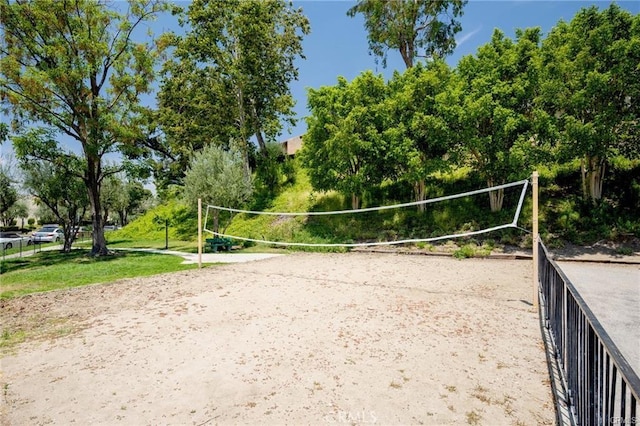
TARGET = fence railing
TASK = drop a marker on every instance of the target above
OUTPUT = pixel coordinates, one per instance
(602, 387)
(19, 248)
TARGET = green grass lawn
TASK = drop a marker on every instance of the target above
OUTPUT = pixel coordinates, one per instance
(53, 270)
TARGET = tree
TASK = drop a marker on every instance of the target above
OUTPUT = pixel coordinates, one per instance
(114, 197)
(18, 209)
(345, 147)
(122, 196)
(419, 103)
(8, 194)
(418, 28)
(61, 190)
(138, 197)
(497, 117)
(74, 66)
(592, 87)
(217, 177)
(230, 77)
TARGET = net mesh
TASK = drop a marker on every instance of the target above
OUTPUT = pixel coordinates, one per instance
(385, 225)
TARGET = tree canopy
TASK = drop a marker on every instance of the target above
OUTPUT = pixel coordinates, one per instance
(419, 107)
(230, 75)
(591, 86)
(344, 145)
(420, 28)
(496, 110)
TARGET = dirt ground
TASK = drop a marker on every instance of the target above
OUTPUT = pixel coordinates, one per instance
(357, 338)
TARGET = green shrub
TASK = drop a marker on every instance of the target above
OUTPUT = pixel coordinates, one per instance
(466, 251)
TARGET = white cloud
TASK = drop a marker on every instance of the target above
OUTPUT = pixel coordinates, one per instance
(465, 37)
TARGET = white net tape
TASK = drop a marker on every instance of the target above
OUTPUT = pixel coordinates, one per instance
(512, 224)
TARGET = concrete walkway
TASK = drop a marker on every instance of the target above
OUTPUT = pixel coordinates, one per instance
(189, 258)
(192, 258)
(612, 292)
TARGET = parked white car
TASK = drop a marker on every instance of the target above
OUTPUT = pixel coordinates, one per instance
(13, 239)
(48, 234)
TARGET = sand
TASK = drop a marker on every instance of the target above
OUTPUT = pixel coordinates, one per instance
(301, 339)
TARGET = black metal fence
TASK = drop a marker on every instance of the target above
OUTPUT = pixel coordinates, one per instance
(602, 388)
(19, 247)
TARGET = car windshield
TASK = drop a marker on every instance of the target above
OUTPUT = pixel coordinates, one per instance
(47, 229)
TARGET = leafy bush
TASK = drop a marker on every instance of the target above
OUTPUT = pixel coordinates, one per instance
(465, 251)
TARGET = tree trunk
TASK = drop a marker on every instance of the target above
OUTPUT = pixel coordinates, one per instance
(242, 119)
(583, 178)
(69, 238)
(419, 190)
(496, 198)
(241, 126)
(592, 171)
(261, 143)
(407, 52)
(355, 202)
(216, 220)
(99, 246)
(70, 225)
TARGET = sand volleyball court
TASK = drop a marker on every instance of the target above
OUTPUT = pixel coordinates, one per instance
(316, 339)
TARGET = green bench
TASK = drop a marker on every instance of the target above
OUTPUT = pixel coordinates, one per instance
(214, 244)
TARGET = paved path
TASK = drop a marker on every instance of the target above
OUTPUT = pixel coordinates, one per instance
(612, 292)
(191, 258)
(31, 250)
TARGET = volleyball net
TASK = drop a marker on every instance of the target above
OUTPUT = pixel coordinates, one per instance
(405, 223)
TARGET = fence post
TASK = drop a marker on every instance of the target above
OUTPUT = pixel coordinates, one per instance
(199, 232)
(534, 189)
